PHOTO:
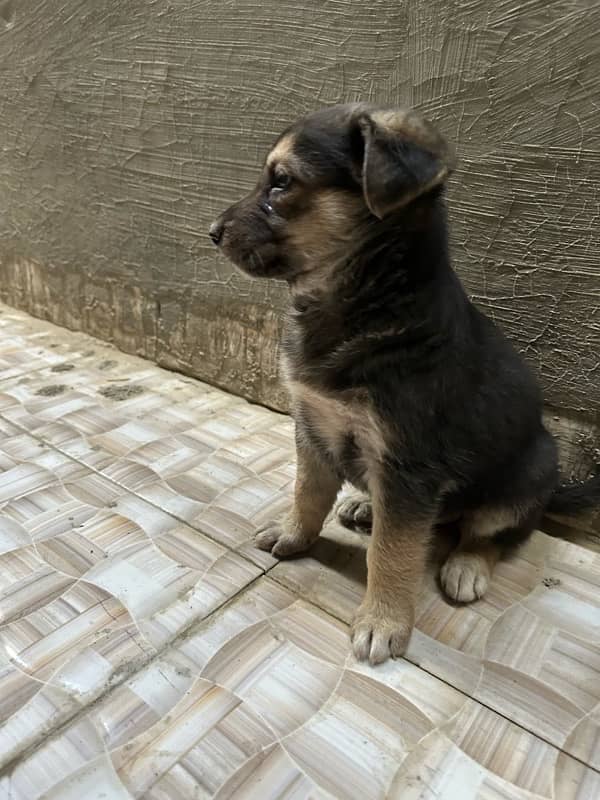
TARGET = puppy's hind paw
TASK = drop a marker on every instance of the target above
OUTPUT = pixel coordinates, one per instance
(354, 512)
(465, 576)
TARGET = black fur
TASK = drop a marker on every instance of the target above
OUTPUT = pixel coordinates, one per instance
(462, 410)
(462, 407)
(575, 497)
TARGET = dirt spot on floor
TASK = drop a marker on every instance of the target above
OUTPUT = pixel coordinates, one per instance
(108, 363)
(551, 583)
(62, 367)
(52, 390)
(124, 392)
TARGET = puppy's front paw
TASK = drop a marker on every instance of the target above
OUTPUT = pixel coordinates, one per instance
(465, 576)
(282, 538)
(380, 632)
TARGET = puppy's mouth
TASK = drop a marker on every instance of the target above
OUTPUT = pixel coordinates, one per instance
(259, 262)
(254, 265)
(251, 246)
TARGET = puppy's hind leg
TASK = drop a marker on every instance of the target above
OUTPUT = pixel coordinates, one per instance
(491, 530)
(485, 534)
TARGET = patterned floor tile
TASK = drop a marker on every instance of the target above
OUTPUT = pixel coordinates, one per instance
(93, 582)
(142, 655)
(530, 649)
(263, 701)
(215, 461)
(29, 345)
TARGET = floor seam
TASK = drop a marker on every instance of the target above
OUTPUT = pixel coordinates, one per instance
(48, 736)
(445, 682)
(132, 492)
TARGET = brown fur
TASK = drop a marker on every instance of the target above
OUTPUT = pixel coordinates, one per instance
(282, 155)
(383, 354)
(314, 494)
(396, 561)
(333, 417)
(323, 234)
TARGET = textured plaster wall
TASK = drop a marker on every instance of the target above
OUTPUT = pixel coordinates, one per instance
(126, 126)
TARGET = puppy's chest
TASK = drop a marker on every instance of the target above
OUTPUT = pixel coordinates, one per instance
(343, 424)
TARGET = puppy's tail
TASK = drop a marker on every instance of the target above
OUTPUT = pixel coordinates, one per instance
(576, 496)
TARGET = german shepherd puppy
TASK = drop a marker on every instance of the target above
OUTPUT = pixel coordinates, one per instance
(398, 384)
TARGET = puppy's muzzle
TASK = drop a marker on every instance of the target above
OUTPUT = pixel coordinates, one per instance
(216, 231)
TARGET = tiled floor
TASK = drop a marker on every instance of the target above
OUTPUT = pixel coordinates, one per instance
(149, 651)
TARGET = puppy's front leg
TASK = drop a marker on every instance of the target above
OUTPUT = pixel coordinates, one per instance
(396, 564)
(315, 491)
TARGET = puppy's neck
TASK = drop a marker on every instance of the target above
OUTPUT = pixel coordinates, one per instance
(395, 292)
(385, 264)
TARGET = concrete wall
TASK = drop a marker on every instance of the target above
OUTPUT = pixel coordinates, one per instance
(125, 127)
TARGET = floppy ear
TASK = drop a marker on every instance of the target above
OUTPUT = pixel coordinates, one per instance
(403, 156)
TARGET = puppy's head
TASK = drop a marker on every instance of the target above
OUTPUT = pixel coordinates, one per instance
(329, 178)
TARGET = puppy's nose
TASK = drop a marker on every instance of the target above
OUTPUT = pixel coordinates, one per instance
(216, 231)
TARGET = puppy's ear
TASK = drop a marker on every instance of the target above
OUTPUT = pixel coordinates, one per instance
(400, 157)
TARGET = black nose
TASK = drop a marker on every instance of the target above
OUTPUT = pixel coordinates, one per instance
(216, 231)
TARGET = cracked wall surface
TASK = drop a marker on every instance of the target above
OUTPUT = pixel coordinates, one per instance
(124, 129)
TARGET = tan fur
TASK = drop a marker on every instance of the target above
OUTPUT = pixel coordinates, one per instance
(466, 574)
(282, 154)
(319, 231)
(323, 234)
(486, 522)
(334, 417)
(415, 128)
(396, 561)
(315, 492)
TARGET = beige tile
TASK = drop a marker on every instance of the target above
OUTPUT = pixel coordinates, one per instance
(574, 780)
(32, 722)
(17, 688)
(76, 748)
(504, 748)
(143, 700)
(216, 462)
(584, 739)
(96, 780)
(92, 581)
(270, 775)
(366, 729)
(282, 684)
(437, 769)
(530, 649)
(27, 344)
(261, 700)
(207, 734)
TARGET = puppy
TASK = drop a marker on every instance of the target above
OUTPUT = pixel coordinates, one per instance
(398, 384)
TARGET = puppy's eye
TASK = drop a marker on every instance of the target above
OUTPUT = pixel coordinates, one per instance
(281, 181)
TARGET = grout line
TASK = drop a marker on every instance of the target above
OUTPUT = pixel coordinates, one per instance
(140, 664)
(541, 738)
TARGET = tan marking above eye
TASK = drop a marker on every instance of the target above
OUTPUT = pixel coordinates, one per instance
(281, 153)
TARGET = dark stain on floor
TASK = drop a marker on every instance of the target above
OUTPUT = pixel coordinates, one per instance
(123, 392)
(62, 367)
(52, 390)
